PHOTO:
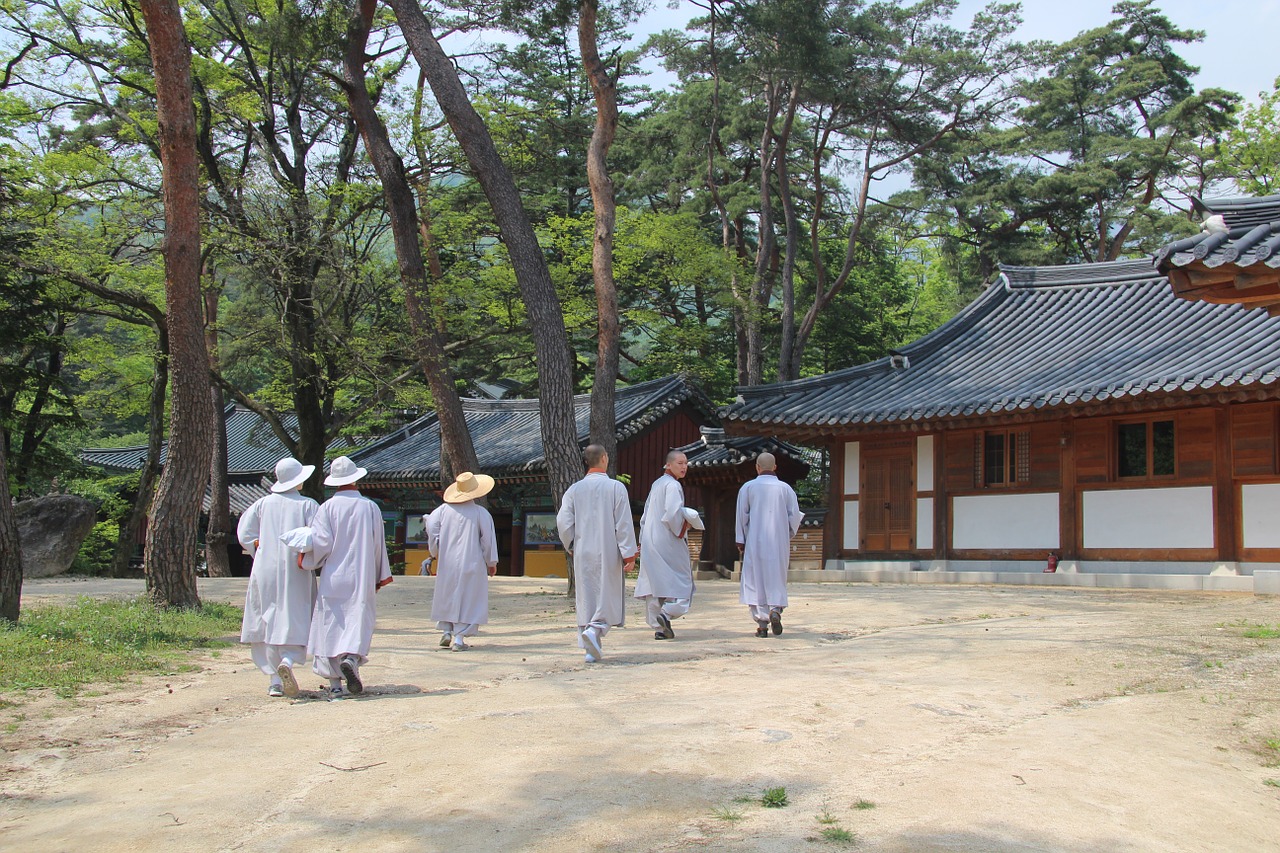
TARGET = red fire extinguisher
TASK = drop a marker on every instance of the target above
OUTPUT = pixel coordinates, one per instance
(1052, 565)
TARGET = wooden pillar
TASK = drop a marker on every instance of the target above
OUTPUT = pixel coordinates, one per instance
(833, 526)
(1226, 510)
(941, 533)
(1070, 537)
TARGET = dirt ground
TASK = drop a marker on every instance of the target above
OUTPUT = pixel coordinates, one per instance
(898, 718)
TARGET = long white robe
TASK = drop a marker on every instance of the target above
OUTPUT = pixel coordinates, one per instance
(665, 568)
(280, 596)
(465, 544)
(348, 543)
(595, 524)
(768, 515)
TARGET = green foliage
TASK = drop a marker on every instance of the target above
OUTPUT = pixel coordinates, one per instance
(1263, 632)
(1251, 151)
(65, 647)
(863, 805)
(774, 798)
(838, 835)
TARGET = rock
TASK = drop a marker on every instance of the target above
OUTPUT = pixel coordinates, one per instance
(51, 530)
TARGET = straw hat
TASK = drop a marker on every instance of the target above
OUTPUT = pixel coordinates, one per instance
(342, 472)
(290, 473)
(695, 520)
(468, 487)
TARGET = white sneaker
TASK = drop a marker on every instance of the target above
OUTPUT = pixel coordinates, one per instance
(592, 658)
(274, 691)
(288, 684)
(445, 640)
(591, 642)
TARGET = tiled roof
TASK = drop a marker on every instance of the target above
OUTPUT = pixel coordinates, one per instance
(507, 433)
(252, 448)
(1252, 236)
(1037, 338)
(717, 450)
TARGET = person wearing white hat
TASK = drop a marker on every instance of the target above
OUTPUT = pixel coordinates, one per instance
(594, 523)
(349, 549)
(665, 583)
(278, 601)
(768, 516)
(463, 541)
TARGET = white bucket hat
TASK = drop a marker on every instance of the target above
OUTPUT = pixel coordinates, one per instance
(695, 520)
(468, 487)
(290, 473)
(343, 472)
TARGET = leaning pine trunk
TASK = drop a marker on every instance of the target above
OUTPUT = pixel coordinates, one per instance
(171, 546)
(546, 319)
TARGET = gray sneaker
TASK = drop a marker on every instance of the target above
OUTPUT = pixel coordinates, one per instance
(667, 631)
(445, 640)
(348, 667)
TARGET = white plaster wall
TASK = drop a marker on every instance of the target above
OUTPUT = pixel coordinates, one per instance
(1260, 514)
(924, 523)
(990, 522)
(851, 467)
(924, 464)
(1149, 518)
(850, 526)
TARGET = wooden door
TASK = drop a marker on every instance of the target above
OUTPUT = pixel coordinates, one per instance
(888, 499)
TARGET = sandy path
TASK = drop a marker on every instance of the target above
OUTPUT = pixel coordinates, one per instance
(973, 718)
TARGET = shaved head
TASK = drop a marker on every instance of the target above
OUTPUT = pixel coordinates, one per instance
(594, 455)
(766, 462)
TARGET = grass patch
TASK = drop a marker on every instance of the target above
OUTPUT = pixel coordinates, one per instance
(64, 647)
(863, 805)
(774, 798)
(838, 834)
(1275, 783)
(726, 814)
(1263, 632)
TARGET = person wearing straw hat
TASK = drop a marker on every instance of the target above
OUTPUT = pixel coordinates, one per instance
(767, 517)
(465, 545)
(594, 523)
(278, 601)
(349, 549)
(665, 583)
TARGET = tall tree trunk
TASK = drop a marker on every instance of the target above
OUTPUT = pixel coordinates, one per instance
(171, 548)
(546, 320)
(762, 285)
(127, 538)
(603, 429)
(10, 549)
(217, 536)
(455, 439)
(788, 357)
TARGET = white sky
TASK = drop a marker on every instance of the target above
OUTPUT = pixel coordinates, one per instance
(1238, 52)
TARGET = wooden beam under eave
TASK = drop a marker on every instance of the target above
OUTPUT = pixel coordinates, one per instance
(1192, 283)
(1248, 281)
(1234, 297)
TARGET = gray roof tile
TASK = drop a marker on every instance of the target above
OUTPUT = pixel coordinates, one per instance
(1037, 338)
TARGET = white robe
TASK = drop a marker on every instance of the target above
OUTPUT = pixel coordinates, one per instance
(595, 524)
(280, 596)
(465, 544)
(665, 568)
(768, 515)
(348, 543)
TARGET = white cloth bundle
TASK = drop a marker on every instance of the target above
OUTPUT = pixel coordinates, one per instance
(299, 539)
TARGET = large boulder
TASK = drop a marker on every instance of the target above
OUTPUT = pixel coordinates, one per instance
(51, 530)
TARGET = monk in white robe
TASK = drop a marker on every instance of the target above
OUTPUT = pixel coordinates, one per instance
(595, 526)
(768, 516)
(349, 548)
(280, 596)
(665, 583)
(463, 541)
